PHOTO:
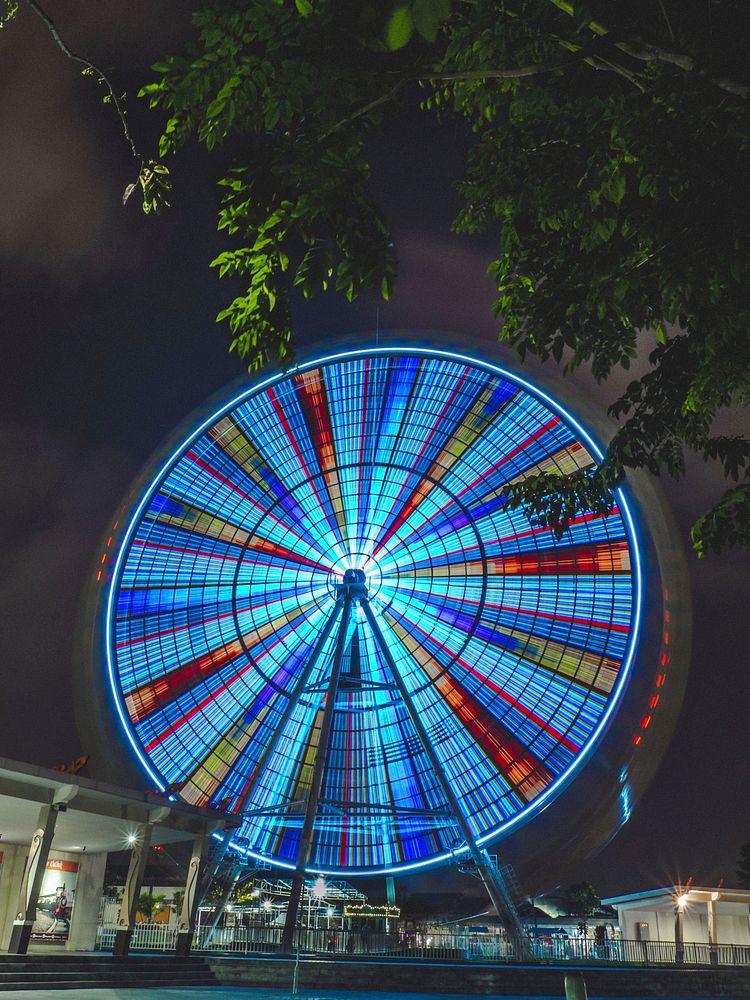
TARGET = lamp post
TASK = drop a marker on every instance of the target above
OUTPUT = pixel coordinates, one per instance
(681, 899)
(318, 892)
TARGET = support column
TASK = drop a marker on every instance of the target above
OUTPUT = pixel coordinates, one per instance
(191, 897)
(390, 890)
(82, 933)
(679, 934)
(311, 808)
(712, 932)
(31, 881)
(491, 876)
(133, 884)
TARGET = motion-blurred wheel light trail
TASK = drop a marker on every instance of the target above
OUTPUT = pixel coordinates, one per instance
(338, 535)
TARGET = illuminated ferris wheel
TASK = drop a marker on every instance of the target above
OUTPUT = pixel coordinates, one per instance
(323, 617)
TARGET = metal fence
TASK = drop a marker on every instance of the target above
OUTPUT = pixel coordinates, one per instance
(432, 946)
(146, 937)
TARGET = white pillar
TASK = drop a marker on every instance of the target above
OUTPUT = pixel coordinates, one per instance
(82, 933)
(14, 861)
(712, 942)
(31, 883)
(679, 936)
(191, 897)
(131, 893)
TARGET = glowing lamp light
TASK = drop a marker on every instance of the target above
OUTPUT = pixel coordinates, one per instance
(319, 888)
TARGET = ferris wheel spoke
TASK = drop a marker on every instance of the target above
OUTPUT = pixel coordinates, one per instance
(217, 776)
(285, 520)
(256, 702)
(288, 509)
(309, 462)
(166, 688)
(302, 680)
(442, 472)
(496, 685)
(506, 687)
(521, 770)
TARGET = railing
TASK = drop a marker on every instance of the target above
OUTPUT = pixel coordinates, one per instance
(146, 937)
(238, 940)
(433, 946)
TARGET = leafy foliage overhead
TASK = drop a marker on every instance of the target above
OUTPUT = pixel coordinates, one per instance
(609, 157)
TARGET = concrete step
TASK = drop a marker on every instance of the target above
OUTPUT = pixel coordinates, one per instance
(92, 984)
(90, 971)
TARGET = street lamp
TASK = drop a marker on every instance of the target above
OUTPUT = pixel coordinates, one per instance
(681, 899)
(317, 892)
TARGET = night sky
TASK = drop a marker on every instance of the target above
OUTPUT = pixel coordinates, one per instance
(109, 341)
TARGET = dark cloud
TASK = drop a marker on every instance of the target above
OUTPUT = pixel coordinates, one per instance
(56, 498)
(65, 161)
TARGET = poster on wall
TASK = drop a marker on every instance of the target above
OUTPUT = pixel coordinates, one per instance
(56, 897)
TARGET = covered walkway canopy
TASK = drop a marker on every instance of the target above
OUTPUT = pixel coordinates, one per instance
(44, 810)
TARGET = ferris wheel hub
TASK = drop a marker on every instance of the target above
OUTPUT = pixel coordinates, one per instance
(354, 585)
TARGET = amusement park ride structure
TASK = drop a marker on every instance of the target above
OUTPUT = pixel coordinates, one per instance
(351, 593)
(315, 612)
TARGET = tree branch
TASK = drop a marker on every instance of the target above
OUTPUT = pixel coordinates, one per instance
(389, 95)
(94, 68)
(648, 52)
(479, 74)
(508, 74)
(666, 18)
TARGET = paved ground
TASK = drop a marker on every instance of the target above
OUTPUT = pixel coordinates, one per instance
(227, 993)
(248, 993)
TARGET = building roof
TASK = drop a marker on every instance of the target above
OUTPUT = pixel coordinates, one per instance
(665, 898)
(93, 816)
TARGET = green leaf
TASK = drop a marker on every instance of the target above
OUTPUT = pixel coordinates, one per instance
(304, 7)
(428, 16)
(399, 28)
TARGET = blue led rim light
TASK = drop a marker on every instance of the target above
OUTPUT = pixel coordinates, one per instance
(514, 647)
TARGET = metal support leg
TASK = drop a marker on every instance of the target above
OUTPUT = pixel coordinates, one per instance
(303, 854)
(31, 882)
(191, 898)
(222, 904)
(493, 880)
(273, 742)
(132, 891)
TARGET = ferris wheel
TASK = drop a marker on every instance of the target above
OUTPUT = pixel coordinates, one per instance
(323, 616)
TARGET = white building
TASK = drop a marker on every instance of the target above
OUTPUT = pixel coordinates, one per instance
(713, 916)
